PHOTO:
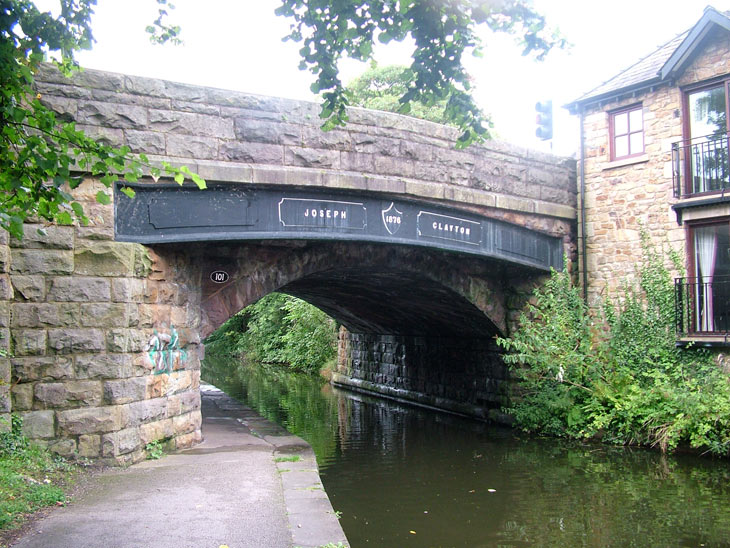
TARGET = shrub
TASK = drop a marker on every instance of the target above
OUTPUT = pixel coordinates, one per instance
(631, 385)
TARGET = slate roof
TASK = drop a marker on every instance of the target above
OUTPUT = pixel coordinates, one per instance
(656, 67)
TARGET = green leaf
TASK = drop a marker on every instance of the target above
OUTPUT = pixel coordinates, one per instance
(103, 198)
(127, 191)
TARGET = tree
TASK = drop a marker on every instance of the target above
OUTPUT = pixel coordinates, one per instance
(380, 88)
(42, 157)
(443, 30)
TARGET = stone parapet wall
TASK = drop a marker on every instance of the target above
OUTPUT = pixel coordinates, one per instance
(228, 136)
(82, 312)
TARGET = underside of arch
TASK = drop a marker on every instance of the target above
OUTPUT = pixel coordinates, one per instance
(395, 302)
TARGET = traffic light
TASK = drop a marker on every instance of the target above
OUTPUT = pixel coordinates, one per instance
(544, 120)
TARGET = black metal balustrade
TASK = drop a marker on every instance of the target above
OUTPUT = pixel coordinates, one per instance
(700, 166)
(702, 305)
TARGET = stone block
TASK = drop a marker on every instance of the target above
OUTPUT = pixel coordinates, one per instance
(125, 390)
(44, 315)
(22, 397)
(30, 288)
(112, 115)
(189, 422)
(104, 366)
(120, 443)
(154, 431)
(180, 381)
(312, 157)
(189, 123)
(4, 371)
(5, 400)
(190, 401)
(64, 447)
(89, 445)
(41, 261)
(89, 420)
(79, 289)
(255, 153)
(68, 394)
(187, 146)
(38, 424)
(105, 315)
(127, 340)
(140, 412)
(67, 341)
(157, 386)
(101, 258)
(188, 440)
(50, 394)
(128, 290)
(6, 288)
(4, 258)
(42, 368)
(147, 142)
(45, 237)
(29, 342)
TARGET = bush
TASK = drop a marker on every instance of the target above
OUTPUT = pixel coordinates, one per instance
(631, 385)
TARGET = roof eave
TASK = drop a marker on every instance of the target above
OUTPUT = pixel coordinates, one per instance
(615, 94)
(677, 60)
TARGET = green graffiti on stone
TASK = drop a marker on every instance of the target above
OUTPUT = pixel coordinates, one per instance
(164, 351)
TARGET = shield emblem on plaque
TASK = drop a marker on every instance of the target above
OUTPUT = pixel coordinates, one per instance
(392, 219)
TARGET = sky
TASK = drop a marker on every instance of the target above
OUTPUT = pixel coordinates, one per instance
(236, 44)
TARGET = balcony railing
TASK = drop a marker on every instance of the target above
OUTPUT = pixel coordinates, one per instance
(700, 166)
(702, 305)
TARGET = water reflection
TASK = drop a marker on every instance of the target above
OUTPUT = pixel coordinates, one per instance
(404, 476)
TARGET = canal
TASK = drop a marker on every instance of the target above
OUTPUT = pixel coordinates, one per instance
(404, 476)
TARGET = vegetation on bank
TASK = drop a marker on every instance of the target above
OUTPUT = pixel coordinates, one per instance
(619, 377)
(30, 477)
(279, 329)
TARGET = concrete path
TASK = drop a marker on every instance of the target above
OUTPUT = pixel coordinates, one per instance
(234, 489)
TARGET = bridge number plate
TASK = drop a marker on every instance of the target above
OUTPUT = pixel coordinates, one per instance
(219, 277)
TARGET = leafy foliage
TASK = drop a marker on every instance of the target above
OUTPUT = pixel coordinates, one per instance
(43, 158)
(13, 440)
(279, 329)
(380, 88)
(631, 385)
(443, 31)
(29, 476)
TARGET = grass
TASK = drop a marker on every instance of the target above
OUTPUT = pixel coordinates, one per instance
(30, 478)
(293, 458)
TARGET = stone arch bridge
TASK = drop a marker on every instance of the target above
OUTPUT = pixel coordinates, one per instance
(421, 251)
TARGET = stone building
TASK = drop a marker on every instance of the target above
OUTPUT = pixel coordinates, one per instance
(654, 151)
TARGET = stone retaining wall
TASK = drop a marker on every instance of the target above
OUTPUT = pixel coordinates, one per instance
(462, 375)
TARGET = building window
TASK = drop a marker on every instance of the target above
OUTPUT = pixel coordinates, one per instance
(710, 285)
(627, 133)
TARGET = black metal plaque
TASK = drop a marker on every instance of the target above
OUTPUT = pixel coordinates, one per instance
(169, 213)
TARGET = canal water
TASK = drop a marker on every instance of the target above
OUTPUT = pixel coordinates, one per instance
(404, 476)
